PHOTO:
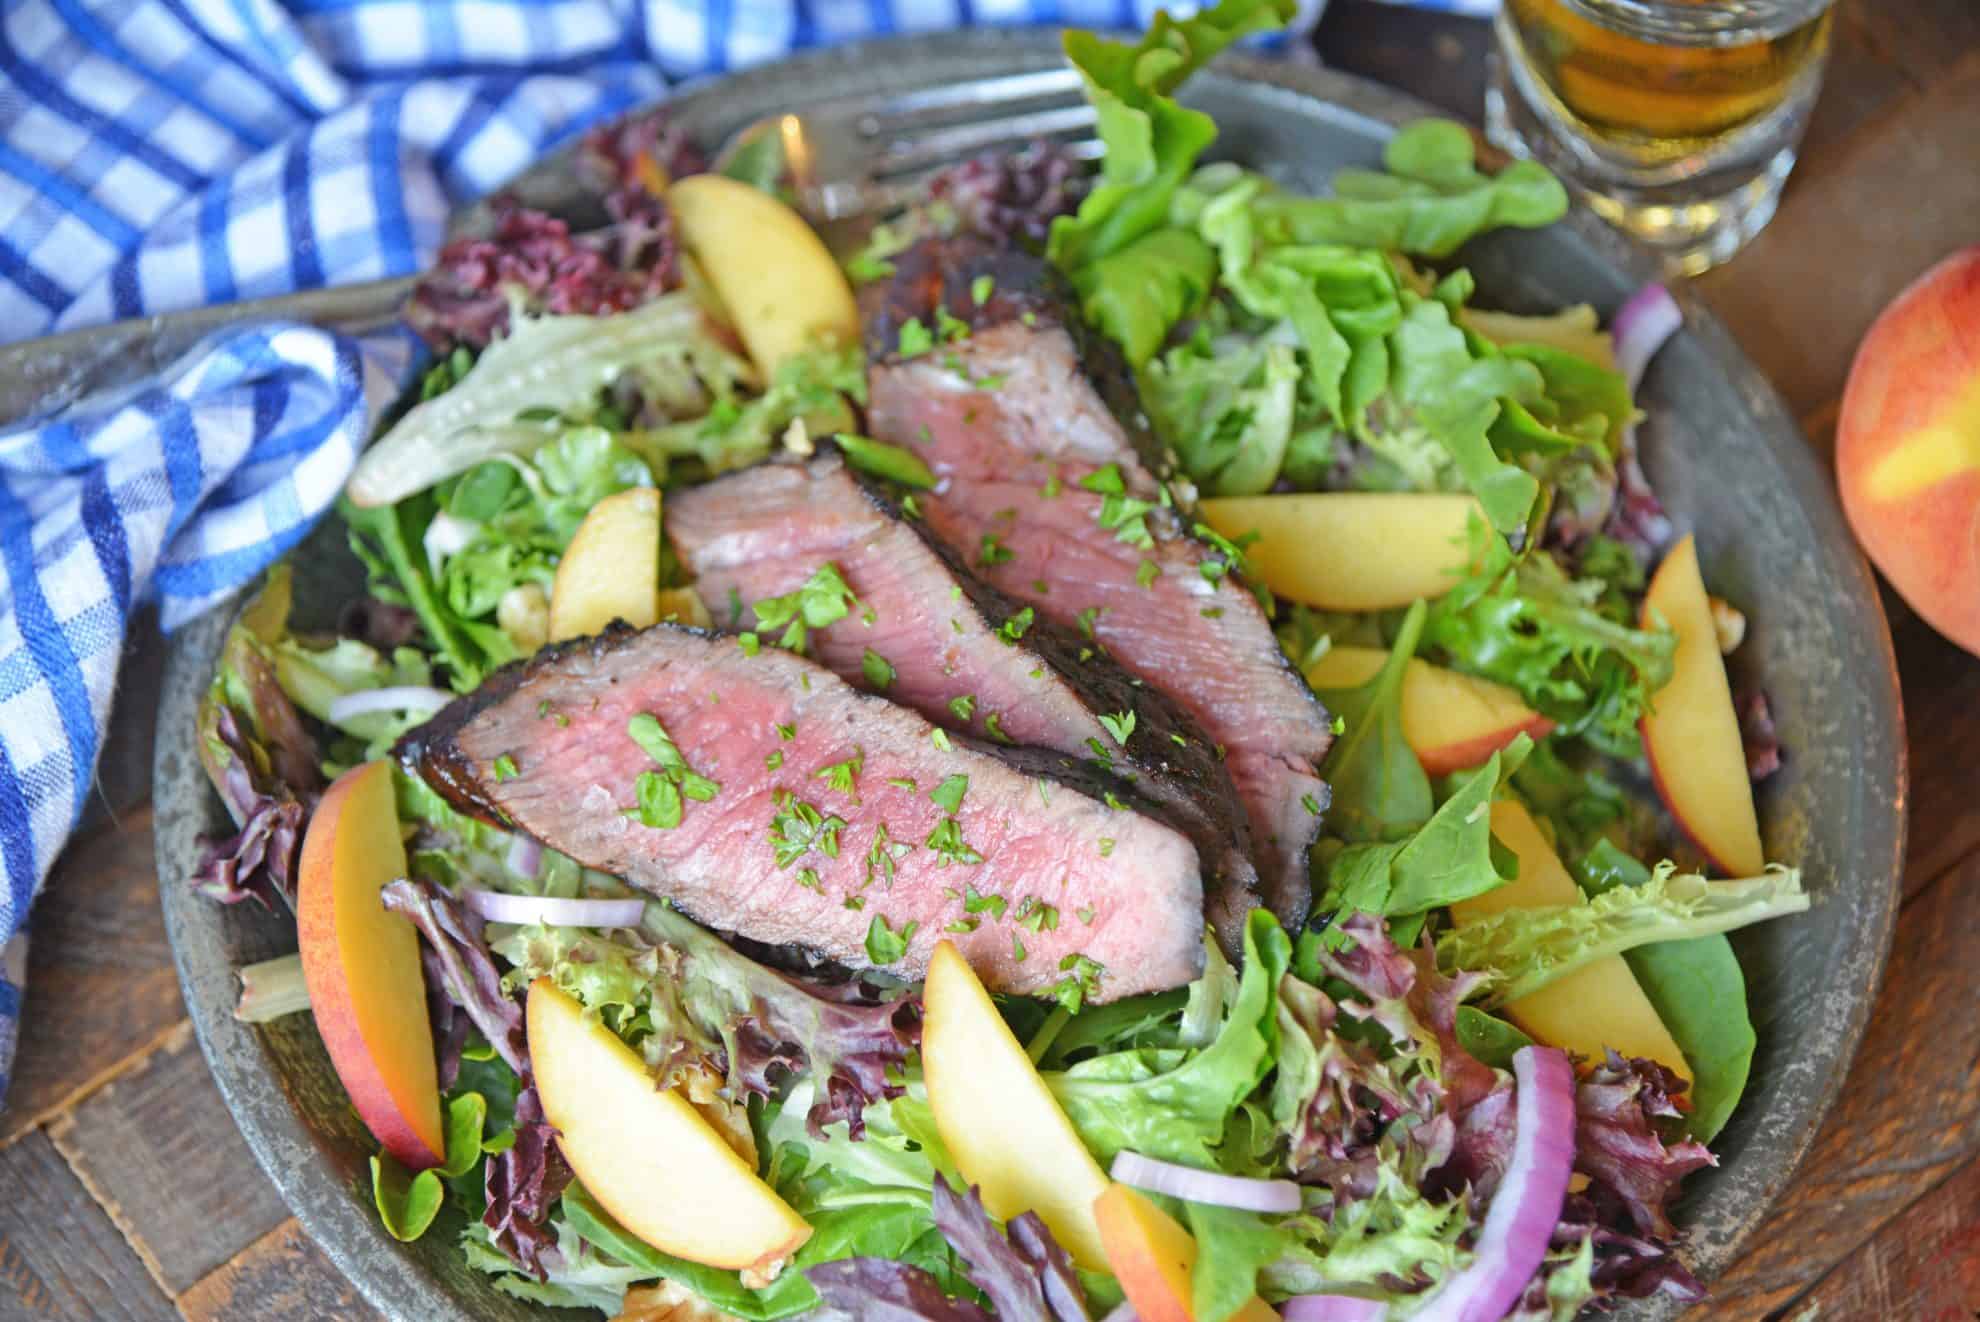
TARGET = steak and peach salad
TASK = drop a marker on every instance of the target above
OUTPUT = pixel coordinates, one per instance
(1121, 749)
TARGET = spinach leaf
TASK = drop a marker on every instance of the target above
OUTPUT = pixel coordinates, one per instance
(1380, 790)
(1697, 989)
(1488, 1037)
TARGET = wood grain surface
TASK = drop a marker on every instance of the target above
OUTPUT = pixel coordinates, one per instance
(130, 1195)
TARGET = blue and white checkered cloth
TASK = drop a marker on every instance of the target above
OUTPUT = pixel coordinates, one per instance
(160, 154)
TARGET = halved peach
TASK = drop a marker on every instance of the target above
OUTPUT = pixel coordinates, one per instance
(361, 965)
(1691, 734)
(1450, 721)
(1351, 550)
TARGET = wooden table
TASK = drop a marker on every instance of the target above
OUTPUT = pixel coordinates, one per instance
(129, 1194)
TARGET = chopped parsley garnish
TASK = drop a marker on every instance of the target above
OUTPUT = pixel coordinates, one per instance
(645, 730)
(797, 828)
(949, 328)
(822, 599)
(1037, 916)
(1028, 317)
(980, 289)
(1105, 481)
(1178, 740)
(1212, 612)
(1147, 573)
(1339, 725)
(505, 768)
(994, 905)
(955, 624)
(658, 800)
(774, 760)
(940, 738)
(993, 725)
(1045, 792)
(963, 707)
(1041, 587)
(1052, 487)
(902, 782)
(889, 462)
(658, 794)
(1014, 628)
(1101, 753)
(1081, 983)
(878, 670)
(1018, 952)
(915, 339)
(948, 796)
(1120, 725)
(994, 551)
(1086, 618)
(910, 507)
(854, 902)
(844, 776)
(948, 846)
(1114, 802)
(1106, 846)
(749, 643)
(961, 924)
(1086, 914)
(882, 855)
(787, 732)
(542, 709)
(1232, 551)
(808, 878)
(1127, 519)
(883, 944)
(1311, 804)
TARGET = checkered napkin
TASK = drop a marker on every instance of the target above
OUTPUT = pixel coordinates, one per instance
(160, 154)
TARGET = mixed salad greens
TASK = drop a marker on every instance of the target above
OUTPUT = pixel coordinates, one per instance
(1281, 343)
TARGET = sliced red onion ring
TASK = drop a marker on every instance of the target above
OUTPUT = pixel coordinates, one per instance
(1649, 317)
(399, 697)
(525, 857)
(445, 536)
(1195, 1186)
(497, 907)
(1331, 1308)
(1520, 1223)
(1125, 1313)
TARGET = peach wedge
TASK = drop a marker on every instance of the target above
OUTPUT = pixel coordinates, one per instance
(361, 965)
(1351, 550)
(1450, 721)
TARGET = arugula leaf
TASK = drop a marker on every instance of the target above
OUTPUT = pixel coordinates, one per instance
(1380, 791)
(1151, 141)
(881, 460)
(1526, 949)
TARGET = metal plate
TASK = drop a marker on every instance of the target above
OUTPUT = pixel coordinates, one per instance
(1726, 456)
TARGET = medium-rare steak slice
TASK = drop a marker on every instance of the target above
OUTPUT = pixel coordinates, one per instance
(929, 634)
(765, 796)
(1033, 430)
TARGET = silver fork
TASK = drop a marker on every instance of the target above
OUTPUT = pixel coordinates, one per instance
(848, 158)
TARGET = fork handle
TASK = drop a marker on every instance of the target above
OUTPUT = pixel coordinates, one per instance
(40, 376)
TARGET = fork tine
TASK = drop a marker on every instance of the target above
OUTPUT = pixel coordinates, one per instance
(847, 198)
(958, 141)
(966, 100)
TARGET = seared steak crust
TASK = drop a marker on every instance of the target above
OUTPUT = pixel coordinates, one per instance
(836, 822)
(958, 650)
(1031, 425)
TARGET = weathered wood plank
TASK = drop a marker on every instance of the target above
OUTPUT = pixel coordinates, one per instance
(1942, 727)
(100, 981)
(1861, 82)
(1922, 1267)
(60, 1256)
(281, 1275)
(1892, 201)
(159, 1150)
(1925, 38)
(1908, 1116)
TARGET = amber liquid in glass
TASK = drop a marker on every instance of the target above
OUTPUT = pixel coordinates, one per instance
(1654, 97)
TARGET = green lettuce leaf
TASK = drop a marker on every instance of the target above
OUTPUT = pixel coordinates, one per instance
(1136, 294)
(1523, 950)
(1151, 141)
(1428, 199)
(1174, 1104)
(407, 1203)
(1226, 410)
(1380, 791)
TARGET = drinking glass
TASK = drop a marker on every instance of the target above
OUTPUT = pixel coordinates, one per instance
(1675, 120)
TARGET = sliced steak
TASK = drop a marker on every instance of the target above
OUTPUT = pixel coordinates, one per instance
(937, 638)
(1033, 429)
(1030, 871)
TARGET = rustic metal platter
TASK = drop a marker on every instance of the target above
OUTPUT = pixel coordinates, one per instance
(1722, 449)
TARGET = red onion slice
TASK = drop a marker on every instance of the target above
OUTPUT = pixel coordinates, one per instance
(1520, 1223)
(1649, 317)
(1195, 1186)
(398, 698)
(497, 907)
(1331, 1308)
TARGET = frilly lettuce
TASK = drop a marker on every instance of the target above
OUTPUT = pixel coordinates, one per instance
(1523, 950)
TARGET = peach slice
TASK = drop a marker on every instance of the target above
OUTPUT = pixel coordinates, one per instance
(1451, 721)
(611, 569)
(997, 1117)
(1908, 446)
(1154, 1259)
(1597, 1006)
(646, 1155)
(361, 965)
(1691, 733)
(1351, 550)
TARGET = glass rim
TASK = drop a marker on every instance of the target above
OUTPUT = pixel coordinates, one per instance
(1689, 22)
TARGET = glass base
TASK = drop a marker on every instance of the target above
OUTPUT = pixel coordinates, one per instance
(1695, 210)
